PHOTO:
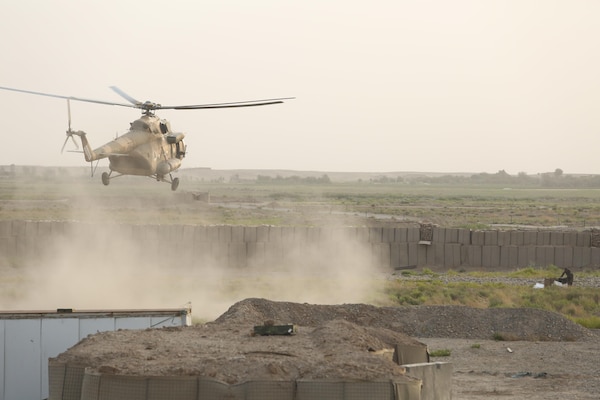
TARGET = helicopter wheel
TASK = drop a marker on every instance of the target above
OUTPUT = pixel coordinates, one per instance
(175, 184)
(105, 178)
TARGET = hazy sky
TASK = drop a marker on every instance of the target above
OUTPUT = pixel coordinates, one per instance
(438, 85)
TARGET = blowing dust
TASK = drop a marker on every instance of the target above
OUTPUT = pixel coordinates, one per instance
(109, 265)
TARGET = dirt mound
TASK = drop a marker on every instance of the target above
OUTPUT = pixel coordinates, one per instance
(229, 352)
(418, 321)
(333, 341)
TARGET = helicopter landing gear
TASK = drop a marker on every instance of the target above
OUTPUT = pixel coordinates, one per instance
(105, 178)
(174, 184)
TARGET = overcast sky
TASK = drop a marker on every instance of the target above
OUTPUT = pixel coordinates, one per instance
(438, 85)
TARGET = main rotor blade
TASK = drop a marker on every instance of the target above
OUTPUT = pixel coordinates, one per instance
(126, 96)
(250, 103)
(110, 103)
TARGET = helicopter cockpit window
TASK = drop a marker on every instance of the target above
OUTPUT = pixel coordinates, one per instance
(164, 128)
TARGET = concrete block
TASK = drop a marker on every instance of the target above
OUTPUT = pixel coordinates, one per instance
(237, 255)
(438, 251)
(5, 229)
(464, 236)
(275, 235)
(200, 234)
(544, 256)
(584, 239)
(263, 234)
(595, 257)
(567, 256)
(477, 238)
(504, 238)
(504, 257)
(452, 255)
(557, 238)
(530, 238)
(387, 235)
(472, 256)
(237, 234)
(439, 235)
(287, 234)
(414, 234)
(224, 233)
(513, 256)
(422, 256)
(212, 233)
(325, 234)
(526, 256)
(313, 235)
(8, 247)
(362, 235)
(490, 238)
(570, 239)
(581, 256)
(452, 235)
(151, 234)
(413, 253)
(516, 238)
(490, 256)
(543, 238)
(18, 228)
(202, 253)
(220, 254)
(381, 254)
(436, 379)
(401, 235)
(273, 254)
(399, 255)
(375, 235)
(563, 256)
(301, 235)
(430, 254)
(256, 254)
(250, 234)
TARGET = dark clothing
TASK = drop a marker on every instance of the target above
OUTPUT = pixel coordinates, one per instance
(568, 277)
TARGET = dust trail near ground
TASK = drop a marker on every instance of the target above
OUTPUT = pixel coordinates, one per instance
(101, 265)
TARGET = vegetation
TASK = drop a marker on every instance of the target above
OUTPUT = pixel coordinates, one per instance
(580, 304)
(440, 353)
(481, 201)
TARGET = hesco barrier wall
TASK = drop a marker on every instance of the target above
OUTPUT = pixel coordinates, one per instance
(239, 246)
(77, 383)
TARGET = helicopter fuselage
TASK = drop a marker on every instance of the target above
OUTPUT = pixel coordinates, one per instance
(149, 148)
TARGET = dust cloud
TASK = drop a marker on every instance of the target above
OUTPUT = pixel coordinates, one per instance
(110, 265)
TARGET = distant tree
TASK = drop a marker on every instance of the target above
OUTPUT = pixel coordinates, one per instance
(558, 172)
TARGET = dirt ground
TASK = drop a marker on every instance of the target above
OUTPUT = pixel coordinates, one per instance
(337, 342)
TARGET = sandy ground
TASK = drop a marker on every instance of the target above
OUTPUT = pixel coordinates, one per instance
(486, 369)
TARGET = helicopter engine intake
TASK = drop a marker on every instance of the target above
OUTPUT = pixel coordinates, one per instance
(167, 166)
(175, 137)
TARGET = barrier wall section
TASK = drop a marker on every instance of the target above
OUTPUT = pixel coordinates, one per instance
(248, 246)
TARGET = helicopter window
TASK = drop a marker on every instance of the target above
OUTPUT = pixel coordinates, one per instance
(163, 127)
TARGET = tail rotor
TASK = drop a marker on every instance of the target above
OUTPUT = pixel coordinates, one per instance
(69, 131)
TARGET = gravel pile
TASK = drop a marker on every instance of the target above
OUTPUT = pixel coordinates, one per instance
(418, 321)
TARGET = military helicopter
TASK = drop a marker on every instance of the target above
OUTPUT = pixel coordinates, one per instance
(150, 148)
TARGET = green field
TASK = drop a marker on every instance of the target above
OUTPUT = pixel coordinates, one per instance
(300, 203)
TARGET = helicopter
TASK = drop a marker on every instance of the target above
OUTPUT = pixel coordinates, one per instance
(150, 147)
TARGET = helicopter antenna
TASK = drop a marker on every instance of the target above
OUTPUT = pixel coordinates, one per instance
(69, 131)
